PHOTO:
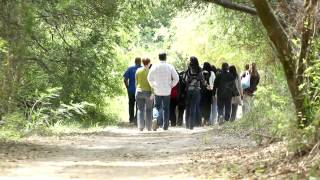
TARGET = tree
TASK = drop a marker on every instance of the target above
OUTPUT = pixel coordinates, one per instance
(294, 57)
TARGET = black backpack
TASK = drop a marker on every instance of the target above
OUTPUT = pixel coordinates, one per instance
(193, 78)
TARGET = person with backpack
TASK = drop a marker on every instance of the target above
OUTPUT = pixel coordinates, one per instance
(193, 79)
(236, 100)
(225, 91)
(206, 92)
(248, 92)
(143, 96)
(162, 78)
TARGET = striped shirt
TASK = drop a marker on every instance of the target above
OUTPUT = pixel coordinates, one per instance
(162, 78)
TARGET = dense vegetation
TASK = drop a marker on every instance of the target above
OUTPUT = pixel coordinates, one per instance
(62, 61)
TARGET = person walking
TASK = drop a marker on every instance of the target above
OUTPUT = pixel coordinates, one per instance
(181, 97)
(129, 82)
(236, 100)
(206, 92)
(143, 97)
(194, 78)
(224, 83)
(248, 93)
(173, 105)
(162, 78)
(214, 107)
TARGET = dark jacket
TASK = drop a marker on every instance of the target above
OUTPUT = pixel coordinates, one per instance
(182, 89)
(223, 83)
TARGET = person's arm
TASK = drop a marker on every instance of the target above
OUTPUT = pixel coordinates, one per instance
(239, 87)
(136, 78)
(126, 82)
(175, 77)
(126, 78)
(151, 77)
(211, 80)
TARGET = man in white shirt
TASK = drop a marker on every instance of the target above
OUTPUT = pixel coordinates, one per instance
(162, 78)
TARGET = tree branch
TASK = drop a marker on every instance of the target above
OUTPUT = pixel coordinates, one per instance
(234, 6)
(282, 44)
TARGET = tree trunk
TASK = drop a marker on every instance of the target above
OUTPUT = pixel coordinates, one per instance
(294, 69)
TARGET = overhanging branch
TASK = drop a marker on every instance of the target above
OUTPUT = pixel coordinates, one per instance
(234, 6)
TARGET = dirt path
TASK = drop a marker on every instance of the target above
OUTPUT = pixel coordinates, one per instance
(115, 153)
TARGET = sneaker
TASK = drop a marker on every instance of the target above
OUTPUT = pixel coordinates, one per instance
(154, 125)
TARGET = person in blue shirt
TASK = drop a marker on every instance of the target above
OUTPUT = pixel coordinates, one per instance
(129, 81)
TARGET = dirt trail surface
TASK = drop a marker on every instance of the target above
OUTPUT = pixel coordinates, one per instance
(115, 153)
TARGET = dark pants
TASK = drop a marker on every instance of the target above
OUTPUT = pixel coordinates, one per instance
(132, 115)
(173, 105)
(206, 107)
(224, 105)
(197, 121)
(234, 109)
(162, 103)
(181, 108)
(193, 100)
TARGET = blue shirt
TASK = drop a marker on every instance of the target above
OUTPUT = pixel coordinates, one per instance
(130, 75)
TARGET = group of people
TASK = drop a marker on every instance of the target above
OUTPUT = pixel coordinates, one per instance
(201, 96)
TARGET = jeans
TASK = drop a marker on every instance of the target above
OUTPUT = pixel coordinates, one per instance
(132, 116)
(224, 106)
(214, 111)
(193, 101)
(163, 103)
(145, 105)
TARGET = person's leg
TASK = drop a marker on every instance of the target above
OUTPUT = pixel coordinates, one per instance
(234, 109)
(206, 109)
(227, 104)
(158, 105)
(246, 104)
(195, 103)
(141, 110)
(149, 107)
(188, 110)
(198, 99)
(173, 105)
(131, 107)
(166, 112)
(180, 114)
(220, 105)
(214, 111)
(198, 110)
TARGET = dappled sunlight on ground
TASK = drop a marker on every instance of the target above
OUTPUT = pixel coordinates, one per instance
(113, 153)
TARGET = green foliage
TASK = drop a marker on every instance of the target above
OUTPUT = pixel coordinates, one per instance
(68, 44)
(45, 111)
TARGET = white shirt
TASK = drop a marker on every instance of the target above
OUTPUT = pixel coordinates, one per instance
(162, 78)
(211, 80)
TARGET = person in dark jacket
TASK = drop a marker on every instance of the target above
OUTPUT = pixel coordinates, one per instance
(193, 80)
(182, 95)
(224, 82)
(206, 92)
(173, 105)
